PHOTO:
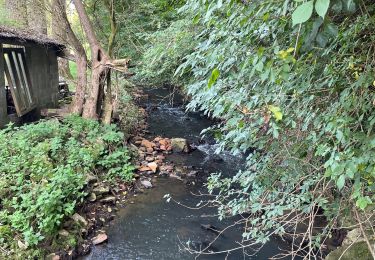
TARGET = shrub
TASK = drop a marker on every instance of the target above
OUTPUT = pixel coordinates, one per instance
(299, 97)
(165, 51)
(43, 169)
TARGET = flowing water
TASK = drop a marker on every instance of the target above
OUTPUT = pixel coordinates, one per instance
(152, 228)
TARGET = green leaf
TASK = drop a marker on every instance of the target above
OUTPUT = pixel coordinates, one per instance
(350, 6)
(214, 76)
(321, 7)
(303, 13)
(196, 18)
(341, 182)
(363, 202)
(276, 112)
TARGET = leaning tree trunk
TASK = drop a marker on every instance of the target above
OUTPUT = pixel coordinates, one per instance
(59, 8)
(99, 60)
(36, 13)
(101, 63)
(59, 33)
(108, 100)
(17, 12)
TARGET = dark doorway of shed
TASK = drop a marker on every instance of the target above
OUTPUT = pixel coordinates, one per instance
(20, 99)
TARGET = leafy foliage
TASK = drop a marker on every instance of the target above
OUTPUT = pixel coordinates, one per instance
(165, 51)
(300, 98)
(43, 170)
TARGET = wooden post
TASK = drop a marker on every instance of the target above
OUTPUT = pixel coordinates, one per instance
(3, 102)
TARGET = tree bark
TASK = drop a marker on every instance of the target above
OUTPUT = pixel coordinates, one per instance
(17, 12)
(59, 33)
(59, 9)
(98, 62)
(36, 14)
(108, 100)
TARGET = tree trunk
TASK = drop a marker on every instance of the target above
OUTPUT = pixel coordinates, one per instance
(108, 100)
(99, 63)
(17, 12)
(79, 97)
(36, 13)
(59, 9)
(59, 33)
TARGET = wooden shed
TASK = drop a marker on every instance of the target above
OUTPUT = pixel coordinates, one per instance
(29, 75)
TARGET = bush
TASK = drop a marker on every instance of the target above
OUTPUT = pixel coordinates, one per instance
(129, 115)
(165, 51)
(43, 169)
(301, 98)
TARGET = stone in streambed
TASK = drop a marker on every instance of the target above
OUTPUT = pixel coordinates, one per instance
(144, 169)
(147, 144)
(99, 239)
(160, 157)
(153, 166)
(147, 184)
(150, 159)
(164, 142)
(167, 168)
(109, 199)
(180, 145)
(192, 174)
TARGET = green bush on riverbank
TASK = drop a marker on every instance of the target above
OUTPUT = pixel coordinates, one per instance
(300, 97)
(43, 170)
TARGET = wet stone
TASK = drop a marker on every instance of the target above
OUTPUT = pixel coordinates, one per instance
(91, 178)
(147, 144)
(153, 166)
(99, 239)
(63, 233)
(52, 256)
(150, 159)
(109, 199)
(79, 219)
(147, 184)
(100, 190)
(92, 197)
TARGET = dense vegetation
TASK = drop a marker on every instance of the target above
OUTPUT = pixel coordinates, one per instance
(44, 170)
(294, 84)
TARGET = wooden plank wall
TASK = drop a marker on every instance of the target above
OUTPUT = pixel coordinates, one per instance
(3, 105)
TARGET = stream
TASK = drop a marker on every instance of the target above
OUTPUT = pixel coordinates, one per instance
(152, 228)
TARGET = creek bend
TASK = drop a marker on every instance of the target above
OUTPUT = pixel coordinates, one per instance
(152, 228)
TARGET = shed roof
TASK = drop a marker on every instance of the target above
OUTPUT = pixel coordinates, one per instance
(19, 36)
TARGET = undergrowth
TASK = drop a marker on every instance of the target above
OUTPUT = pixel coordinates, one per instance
(43, 172)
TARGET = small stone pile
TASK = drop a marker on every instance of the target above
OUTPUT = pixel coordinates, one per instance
(152, 155)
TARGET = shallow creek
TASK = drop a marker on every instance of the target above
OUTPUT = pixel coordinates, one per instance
(152, 228)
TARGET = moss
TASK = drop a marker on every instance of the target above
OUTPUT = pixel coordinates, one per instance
(356, 251)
